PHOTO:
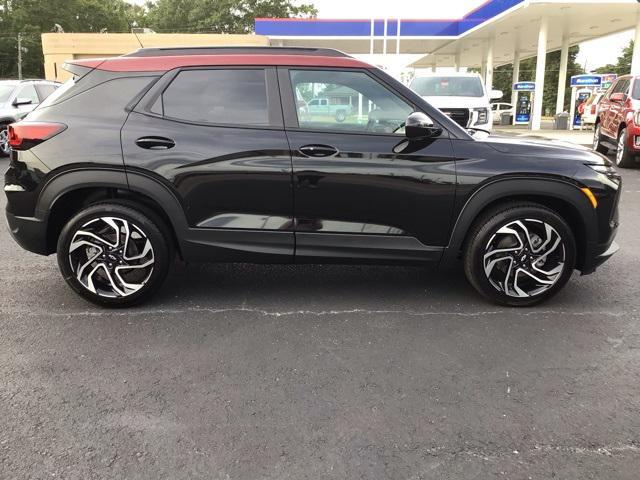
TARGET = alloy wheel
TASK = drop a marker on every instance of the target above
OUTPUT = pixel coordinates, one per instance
(4, 141)
(596, 138)
(621, 147)
(524, 258)
(111, 257)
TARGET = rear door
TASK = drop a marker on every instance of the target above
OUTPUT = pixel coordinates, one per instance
(216, 136)
(361, 190)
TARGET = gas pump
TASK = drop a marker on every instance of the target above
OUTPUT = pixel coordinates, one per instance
(582, 86)
(524, 100)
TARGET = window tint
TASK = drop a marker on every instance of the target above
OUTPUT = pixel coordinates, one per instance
(218, 96)
(347, 101)
(28, 91)
(45, 90)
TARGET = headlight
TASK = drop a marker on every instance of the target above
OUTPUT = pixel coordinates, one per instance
(481, 115)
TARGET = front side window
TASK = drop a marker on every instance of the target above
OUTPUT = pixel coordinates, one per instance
(28, 92)
(234, 96)
(347, 101)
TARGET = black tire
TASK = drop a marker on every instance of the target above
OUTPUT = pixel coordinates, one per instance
(145, 233)
(485, 233)
(4, 141)
(341, 116)
(624, 158)
(597, 140)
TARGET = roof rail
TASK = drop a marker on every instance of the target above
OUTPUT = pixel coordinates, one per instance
(228, 50)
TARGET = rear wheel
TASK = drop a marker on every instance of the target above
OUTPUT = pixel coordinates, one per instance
(4, 141)
(520, 254)
(624, 158)
(341, 116)
(597, 140)
(114, 255)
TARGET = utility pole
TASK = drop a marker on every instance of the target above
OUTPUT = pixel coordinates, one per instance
(19, 56)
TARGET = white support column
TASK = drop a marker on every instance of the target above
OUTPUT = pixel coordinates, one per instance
(635, 59)
(372, 37)
(488, 69)
(384, 44)
(457, 61)
(516, 76)
(536, 114)
(562, 75)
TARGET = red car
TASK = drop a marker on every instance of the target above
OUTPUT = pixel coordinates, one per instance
(617, 126)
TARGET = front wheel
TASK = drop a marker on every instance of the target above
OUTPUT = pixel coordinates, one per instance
(114, 255)
(520, 254)
(597, 140)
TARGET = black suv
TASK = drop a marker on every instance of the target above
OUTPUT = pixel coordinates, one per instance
(219, 154)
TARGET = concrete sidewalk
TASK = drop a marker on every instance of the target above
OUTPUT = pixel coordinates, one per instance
(580, 137)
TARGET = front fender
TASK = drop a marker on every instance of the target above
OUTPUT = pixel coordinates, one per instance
(505, 189)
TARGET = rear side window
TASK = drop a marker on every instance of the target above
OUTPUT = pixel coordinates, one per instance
(234, 96)
(45, 89)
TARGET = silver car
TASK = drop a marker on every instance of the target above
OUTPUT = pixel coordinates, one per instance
(17, 99)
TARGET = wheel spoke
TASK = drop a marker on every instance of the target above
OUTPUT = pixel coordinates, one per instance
(111, 257)
(529, 268)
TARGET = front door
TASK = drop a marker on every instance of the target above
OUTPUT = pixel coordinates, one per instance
(361, 191)
(216, 136)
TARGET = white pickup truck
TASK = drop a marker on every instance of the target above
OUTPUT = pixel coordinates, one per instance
(461, 96)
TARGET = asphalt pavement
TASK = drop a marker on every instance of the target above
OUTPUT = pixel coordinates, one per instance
(321, 372)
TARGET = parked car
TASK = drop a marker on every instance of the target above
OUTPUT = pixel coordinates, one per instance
(617, 125)
(201, 153)
(17, 99)
(591, 108)
(497, 109)
(325, 106)
(461, 96)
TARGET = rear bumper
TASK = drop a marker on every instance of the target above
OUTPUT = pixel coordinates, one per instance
(30, 233)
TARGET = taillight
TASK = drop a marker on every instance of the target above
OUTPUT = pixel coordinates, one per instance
(24, 135)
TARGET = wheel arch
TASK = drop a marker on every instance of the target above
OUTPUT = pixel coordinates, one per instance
(561, 196)
(69, 192)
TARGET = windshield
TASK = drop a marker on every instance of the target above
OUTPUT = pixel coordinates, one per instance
(636, 89)
(448, 86)
(5, 92)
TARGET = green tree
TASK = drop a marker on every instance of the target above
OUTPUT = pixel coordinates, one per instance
(622, 66)
(502, 77)
(30, 18)
(219, 16)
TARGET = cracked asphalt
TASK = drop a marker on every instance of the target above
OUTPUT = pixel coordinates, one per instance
(321, 372)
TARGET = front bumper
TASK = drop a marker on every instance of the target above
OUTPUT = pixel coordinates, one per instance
(30, 233)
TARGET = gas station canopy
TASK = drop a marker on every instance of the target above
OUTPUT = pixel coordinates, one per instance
(508, 24)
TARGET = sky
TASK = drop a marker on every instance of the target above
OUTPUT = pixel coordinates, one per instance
(593, 54)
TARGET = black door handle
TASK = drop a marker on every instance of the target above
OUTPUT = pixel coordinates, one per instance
(318, 150)
(155, 143)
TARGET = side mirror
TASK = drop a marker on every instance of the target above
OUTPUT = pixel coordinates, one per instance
(22, 101)
(495, 94)
(419, 125)
(618, 97)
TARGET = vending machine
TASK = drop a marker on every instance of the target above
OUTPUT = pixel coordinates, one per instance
(524, 101)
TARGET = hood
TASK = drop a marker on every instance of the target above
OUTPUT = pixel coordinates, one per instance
(543, 148)
(456, 102)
